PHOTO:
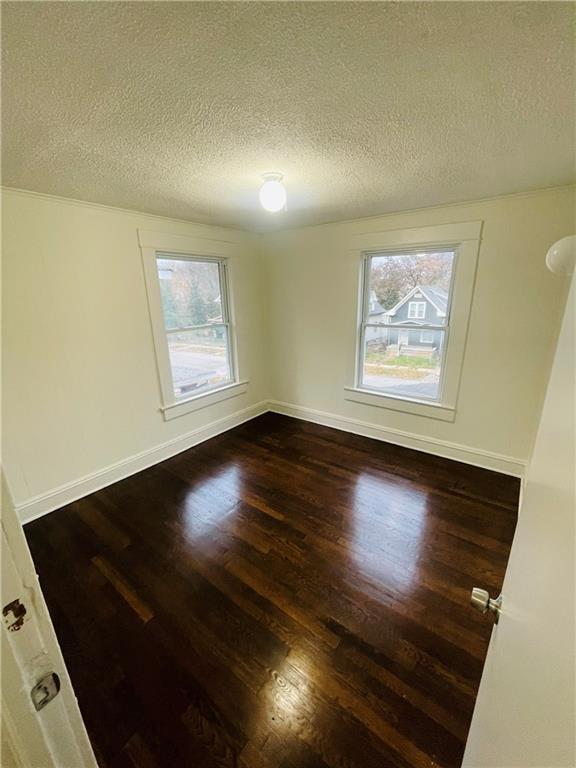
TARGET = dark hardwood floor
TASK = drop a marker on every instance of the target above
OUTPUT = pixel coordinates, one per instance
(282, 596)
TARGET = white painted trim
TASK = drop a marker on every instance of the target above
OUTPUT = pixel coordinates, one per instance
(65, 494)
(56, 736)
(463, 240)
(438, 234)
(203, 400)
(235, 232)
(11, 735)
(153, 245)
(168, 242)
(428, 409)
(508, 465)
(260, 231)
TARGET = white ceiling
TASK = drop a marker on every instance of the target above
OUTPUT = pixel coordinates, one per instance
(177, 108)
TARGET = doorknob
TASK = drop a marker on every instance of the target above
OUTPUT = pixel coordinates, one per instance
(481, 600)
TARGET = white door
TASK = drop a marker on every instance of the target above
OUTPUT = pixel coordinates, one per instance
(525, 714)
(54, 736)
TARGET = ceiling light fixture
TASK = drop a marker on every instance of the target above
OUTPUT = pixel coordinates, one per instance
(273, 192)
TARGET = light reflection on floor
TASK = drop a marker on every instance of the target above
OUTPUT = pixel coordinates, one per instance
(288, 701)
(209, 502)
(386, 543)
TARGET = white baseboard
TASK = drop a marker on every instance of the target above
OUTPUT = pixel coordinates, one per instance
(508, 465)
(69, 492)
(65, 494)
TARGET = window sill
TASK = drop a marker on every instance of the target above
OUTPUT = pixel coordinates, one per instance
(396, 403)
(203, 400)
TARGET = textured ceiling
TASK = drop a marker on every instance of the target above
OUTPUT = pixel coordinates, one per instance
(177, 108)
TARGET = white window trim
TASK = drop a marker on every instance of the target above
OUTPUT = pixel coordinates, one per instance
(464, 239)
(416, 305)
(152, 245)
(203, 400)
(426, 341)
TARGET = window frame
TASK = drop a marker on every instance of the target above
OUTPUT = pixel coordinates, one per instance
(224, 304)
(406, 325)
(157, 245)
(463, 239)
(416, 304)
(426, 341)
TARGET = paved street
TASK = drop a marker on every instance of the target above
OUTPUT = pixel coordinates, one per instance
(194, 365)
(427, 387)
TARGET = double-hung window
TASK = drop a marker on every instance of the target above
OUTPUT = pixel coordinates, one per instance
(415, 300)
(193, 293)
(404, 341)
(190, 312)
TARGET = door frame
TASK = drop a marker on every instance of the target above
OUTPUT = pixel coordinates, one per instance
(55, 736)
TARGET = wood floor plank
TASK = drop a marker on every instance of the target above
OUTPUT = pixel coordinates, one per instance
(123, 588)
(284, 595)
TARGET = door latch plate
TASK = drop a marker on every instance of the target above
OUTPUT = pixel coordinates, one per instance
(45, 690)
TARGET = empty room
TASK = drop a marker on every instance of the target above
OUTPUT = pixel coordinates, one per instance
(288, 384)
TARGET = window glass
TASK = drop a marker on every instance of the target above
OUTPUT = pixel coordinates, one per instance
(417, 309)
(405, 322)
(190, 292)
(194, 307)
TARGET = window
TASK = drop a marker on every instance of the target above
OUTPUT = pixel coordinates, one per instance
(427, 337)
(417, 310)
(195, 311)
(190, 314)
(397, 357)
(408, 359)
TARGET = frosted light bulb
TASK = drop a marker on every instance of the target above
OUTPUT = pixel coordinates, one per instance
(272, 192)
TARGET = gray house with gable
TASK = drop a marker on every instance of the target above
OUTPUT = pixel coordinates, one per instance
(423, 305)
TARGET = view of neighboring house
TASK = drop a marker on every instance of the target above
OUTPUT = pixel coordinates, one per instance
(423, 305)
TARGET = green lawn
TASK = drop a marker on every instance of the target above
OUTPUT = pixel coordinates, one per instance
(405, 361)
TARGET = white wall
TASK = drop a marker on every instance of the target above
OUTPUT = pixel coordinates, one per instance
(80, 385)
(311, 280)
